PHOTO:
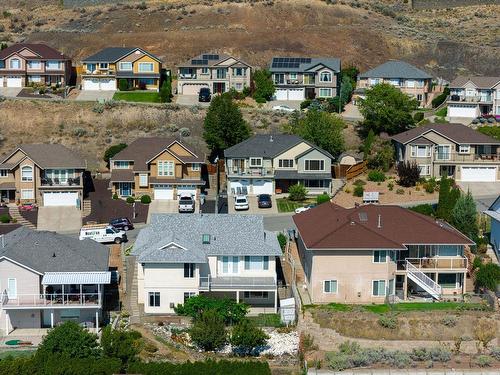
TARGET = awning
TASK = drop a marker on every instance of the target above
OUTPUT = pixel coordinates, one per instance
(122, 175)
(8, 186)
(51, 278)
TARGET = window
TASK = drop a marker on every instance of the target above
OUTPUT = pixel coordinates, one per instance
(205, 239)
(189, 270)
(27, 173)
(443, 152)
(325, 77)
(425, 169)
(378, 288)
(330, 286)
(221, 73)
(15, 64)
(448, 280)
(255, 162)
(53, 65)
(204, 71)
(146, 81)
(394, 82)
(238, 86)
(316, 183)
(230, 264)
(195, 166)
(27, 194)
(154, 299)
(146, 67)
(34, 64)
(379, 256)
(256, 295)
(165, 168)
(418, 151)
(293, 76)
(4, 173)
(125, 66)
(419, 97)
(392, 289)
(279, 78)
(103, 65)
(374, 81)
(314, 165)
(91, 67)
(12, 288)
(464, 149)
(285, 163)
(256, 263)
(238, 72)
(325, 93)
(120, 164)
(188, 295)
(410, 83)
(143, 180)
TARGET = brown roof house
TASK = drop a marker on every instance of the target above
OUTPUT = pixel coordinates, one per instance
(24, 64)
(162, 168)
(367, 253)
(452, 150)
(45, 174)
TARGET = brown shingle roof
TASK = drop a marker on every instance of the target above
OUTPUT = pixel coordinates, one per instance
(458, 133)
(43, 50)
(122, 175)
(479, 82)
(329, 226)
(51, 156)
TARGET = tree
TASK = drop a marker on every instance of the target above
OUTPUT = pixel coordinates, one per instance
(346, 88)
(208, 331)
(438, 100)
(264, 86)
(320, 128)
(464, 216)
(166, 91)
(3, 45)
(297, 192)
(367, 144)
(448, 196)
(380, 154)
(112, 151)
(408, 173)
(224, 125)
(488, 276)
(352, 72)
(387, 109)
(228, 309)
(246, 336)
(124, 345)
(123, 85)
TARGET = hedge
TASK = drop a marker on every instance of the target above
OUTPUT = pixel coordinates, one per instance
(209, 367)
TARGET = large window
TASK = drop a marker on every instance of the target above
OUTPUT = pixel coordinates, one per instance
(4, 173)
(146, 81)
(15, 64)
(316, 183)
(255, 162)
(254, 263)
(410, 83)
(330, 286)
(279, 78)
(189, 270)
(221, 73)
(325, 77)
(255, 295)
(238, 72)
(146, 67)
(121, 164)
(27, 173)
(374, 81)
(53, 65)
(443, 152)
(425, 169)
(125, 66)
(34, 64)
(378, 287)
(418, 151)
(165, 168)
(325, 93)
(314, 165)
(464, 149)
(285, 163)
(230, 265)
(448, 280)
(379, 256)
(154, 299)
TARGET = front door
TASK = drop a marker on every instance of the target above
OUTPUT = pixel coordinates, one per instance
(447, 171)
(125, 189)
(219, 87)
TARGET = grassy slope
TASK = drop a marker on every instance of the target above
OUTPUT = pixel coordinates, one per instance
(137, 96)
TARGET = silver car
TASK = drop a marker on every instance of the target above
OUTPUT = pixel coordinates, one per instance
(186, 203)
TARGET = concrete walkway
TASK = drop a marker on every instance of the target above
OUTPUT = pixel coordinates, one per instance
(10, 92)
(59, 219)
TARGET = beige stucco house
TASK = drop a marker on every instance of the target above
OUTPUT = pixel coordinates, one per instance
(368, 253)
(474, 96)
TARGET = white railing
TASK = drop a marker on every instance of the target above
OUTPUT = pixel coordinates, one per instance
(56, 299)
(208, 282)
(439, 262)
(423, 280)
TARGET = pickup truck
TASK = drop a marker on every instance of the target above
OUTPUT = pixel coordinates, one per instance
(186, 203)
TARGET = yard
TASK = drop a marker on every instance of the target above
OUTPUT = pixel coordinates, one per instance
(137, 96)
(286, 205)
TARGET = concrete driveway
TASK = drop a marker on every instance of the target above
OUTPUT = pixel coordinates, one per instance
(352, 113)
(59, 219)
(481, 189)
(10, 92)
(253, 207)
(92, 96)
(158, 206)
(190, 101)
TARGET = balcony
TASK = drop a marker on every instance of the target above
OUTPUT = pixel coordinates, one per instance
(55, 300)
(57, 182)
(99, 72)
(251, 172)
(187, 76)
(293, 82)
(457, 263)
(444, 157)
(471, 99)
(236, 282)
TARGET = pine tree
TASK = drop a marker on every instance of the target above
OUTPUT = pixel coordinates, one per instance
(464, 216)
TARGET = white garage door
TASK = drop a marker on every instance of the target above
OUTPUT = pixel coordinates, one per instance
(186, 189)
(107, 84)
(262, 187)
(94, 84)
(192, 89)
(14, 82)
(462, 110)
(239, 186)
(62, 198)
(479, 174)
(164, 192)
(90, 84)
(281, 94)
(296, 94)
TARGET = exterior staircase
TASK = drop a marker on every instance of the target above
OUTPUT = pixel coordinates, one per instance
(15, 214)
(132, 290)
(87, 207)
(423, 281)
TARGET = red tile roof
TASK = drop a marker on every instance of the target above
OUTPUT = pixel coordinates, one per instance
(43, 50)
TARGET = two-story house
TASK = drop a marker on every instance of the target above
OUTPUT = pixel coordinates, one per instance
(217, 72)
(229, 256)
(299, 78)
(23, 64)
(452, 150)
(406, 77)
(471, 97)
(265, 164)
(105, 69)
(162, 168)
(44, 174)
(47, 278)
(366, 253)
(494, 213)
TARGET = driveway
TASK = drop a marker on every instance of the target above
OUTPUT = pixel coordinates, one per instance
(190, 101)
(59, 219)
(351, 113)
(253, 207)
(481, 189)
(10, 92)
(160, 206)
(92, 96)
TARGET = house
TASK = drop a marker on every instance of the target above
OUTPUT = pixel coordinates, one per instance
(24, 64)
(471, 97)
(48, 278)
(406, 77)
(162, 168)
(366, 253)
(44, 174)
(222, 255)
(265, 164)
(494, 213)
(105, 69)
(452, 150)
(300, 78)
(218, 72)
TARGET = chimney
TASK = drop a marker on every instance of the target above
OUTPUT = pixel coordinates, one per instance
(379, 225)
(271, 138)
(265, 234)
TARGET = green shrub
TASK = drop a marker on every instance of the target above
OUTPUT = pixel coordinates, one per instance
(430, 185)
(484, 361)
(359, 182)
(98, 108)
(260, 100)
(358, 191)
(495, 353)
(305, 104)
(246, 336)
(488, 276)
(477, 263)
(400, 191)
(419, 116)
(297, 192)
(228, 309)
(438, 100)
(130, 200)
(115, 196)
(209, 367)
(376, 176)
(449, 321)
(112, 151)
(145, 199)
(322, 198)
(390, 186)
(388, 321)
(208, 331)
(282, 240)
(442, 112)
(425, 209)
(4, 218)
(123, 85)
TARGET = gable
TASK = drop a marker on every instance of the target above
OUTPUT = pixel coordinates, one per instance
(132, 57)
(12, 268)
(313, 154)
(179, 150)
(228, 62)
(294, 151)
(16, 157)
(27, 53)
(437, 138)
(164, 155)
(470, 85)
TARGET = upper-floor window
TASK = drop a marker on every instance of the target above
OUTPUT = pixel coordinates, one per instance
(4, 173)
(255, 263)
(285, 163)
(189, 270)
(238, 72)
(419, 151)
(125, 66)
(279, 78)
(314, 165)
(293, 76)
(2, 64)
(147, 67)
(195, 166)
(410, 83)
(374, 81)
(230, 264)
(255, 162)
(464, 149)
(325, 77)
(121, 164)
(205, 239)
(15, 64)
(32, 64)
(103, 65)
(143, 180)
(379, 256)
(91, 67)
(27, 173)
(394, 82)
(53, 65)
(221, 73)
(205, 71)
(165, 168)
(443, 152)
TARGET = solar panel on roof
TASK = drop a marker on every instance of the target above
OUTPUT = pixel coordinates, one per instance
(286, 59)
(199, 62)
(210, 57)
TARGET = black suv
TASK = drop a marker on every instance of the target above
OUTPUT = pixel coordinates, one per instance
(121, 223)
(264, 201)
(204, 95)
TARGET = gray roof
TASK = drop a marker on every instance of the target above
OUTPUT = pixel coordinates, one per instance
(396, 69)
(478, 81)
(51, 155)
(177, 238)
(294, 175)
(211, 59)
(267, 146)
(302, 64)
(45, 251)
(112, 54)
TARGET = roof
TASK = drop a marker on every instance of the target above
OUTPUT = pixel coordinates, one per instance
(494, 210)
(329, 226)
(45, 251)
(76, 278)
(457, 133)
(42, 50)
(112, 54)
(48, 155)
(122, 175)
(177, 238)
(479, 82)
(303, 64)
(395, 69)
(211, 59)
(267, 146)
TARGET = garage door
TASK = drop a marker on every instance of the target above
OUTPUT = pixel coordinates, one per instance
(462, 110)
(62, 198)
(239, 186)
(191, 89)
(107, 84)
(186, 189)
(163, 192)
(296, 94)
(262, 187)
(479, 174)
(90, 84)
(281, 94)
(94, 84)
(14, 82)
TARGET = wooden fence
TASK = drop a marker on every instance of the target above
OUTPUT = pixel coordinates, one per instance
(349, 171)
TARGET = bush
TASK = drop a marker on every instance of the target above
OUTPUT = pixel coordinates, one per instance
(5, 218)
(297, 192)
(408, 173)
(305, 104)
(263, 86)
(322, 198)
(376, 176)
(282, 240)
(390, 186)
(112, 151)
(430, 185)
(98, 108)
(209, 367)
(484, 361)
(358, 191)
(130, 200)
(449, 321)
(419, 116)
(400, 191)
(488, 276)
(145, 199)
(477, 263)
(246, 336)
(359, 182)
(495, 353)
(388, 321)
(165, 93)
(123, 85)
(425, 209)
(228, 309)
(438, 100)
(208, 331)
(485, 331)
(115, 196)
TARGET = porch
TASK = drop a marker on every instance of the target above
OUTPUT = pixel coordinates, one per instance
(258, 301)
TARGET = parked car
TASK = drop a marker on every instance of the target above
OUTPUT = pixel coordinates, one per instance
(122, 223)
(241, 203)
(115, 277)
(264, 201)
(204, 95)
(305, 208)
(283, 108)
(186, 203)
(103, 233)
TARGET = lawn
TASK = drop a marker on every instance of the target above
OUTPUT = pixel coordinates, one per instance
(286, 205)
(267, 320)
(408, 306)
(16, 353)
(137, 96)
(442, 112)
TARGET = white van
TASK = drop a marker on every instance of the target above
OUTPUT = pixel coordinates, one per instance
(102, 233)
